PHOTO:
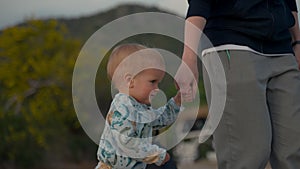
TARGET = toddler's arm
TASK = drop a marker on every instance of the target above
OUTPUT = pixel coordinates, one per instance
(169, 112)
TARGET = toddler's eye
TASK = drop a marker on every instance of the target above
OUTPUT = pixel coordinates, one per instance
(152, 81)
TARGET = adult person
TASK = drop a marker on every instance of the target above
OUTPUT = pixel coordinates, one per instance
(258, 44)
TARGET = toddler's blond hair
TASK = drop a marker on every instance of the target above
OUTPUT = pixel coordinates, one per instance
(132, 58)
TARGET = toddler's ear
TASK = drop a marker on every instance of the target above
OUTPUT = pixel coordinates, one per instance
(129, 80)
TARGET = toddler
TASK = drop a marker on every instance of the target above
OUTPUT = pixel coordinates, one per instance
(135, 71)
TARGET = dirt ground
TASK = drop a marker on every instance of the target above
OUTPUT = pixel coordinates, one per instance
(199, 164)
(202, 164)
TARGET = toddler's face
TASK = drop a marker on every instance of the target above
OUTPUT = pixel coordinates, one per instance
(144, 83)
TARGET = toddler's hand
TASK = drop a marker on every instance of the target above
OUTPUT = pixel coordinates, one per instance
(167, 158)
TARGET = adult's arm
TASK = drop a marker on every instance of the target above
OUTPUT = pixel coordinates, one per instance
(198, 12)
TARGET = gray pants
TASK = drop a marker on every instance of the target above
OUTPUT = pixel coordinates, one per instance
(261, 119)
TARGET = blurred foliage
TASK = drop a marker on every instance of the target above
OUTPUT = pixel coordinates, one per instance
(36, 64)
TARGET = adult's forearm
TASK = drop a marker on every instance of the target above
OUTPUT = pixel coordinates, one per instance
(193, 30)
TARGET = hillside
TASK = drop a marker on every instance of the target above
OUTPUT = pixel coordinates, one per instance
(84, 27)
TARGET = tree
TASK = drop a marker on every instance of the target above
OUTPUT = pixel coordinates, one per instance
(36, 64)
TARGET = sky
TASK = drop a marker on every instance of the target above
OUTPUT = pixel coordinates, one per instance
(13, 12)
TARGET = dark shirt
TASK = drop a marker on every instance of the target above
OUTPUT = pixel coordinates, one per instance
(263, 25)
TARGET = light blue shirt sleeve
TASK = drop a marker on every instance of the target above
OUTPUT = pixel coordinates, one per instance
(168, 114)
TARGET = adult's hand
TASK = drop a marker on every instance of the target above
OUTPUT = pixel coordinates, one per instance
(297, 53)
(187, 80)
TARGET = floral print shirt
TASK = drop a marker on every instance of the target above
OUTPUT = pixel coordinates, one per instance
(126, 141)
